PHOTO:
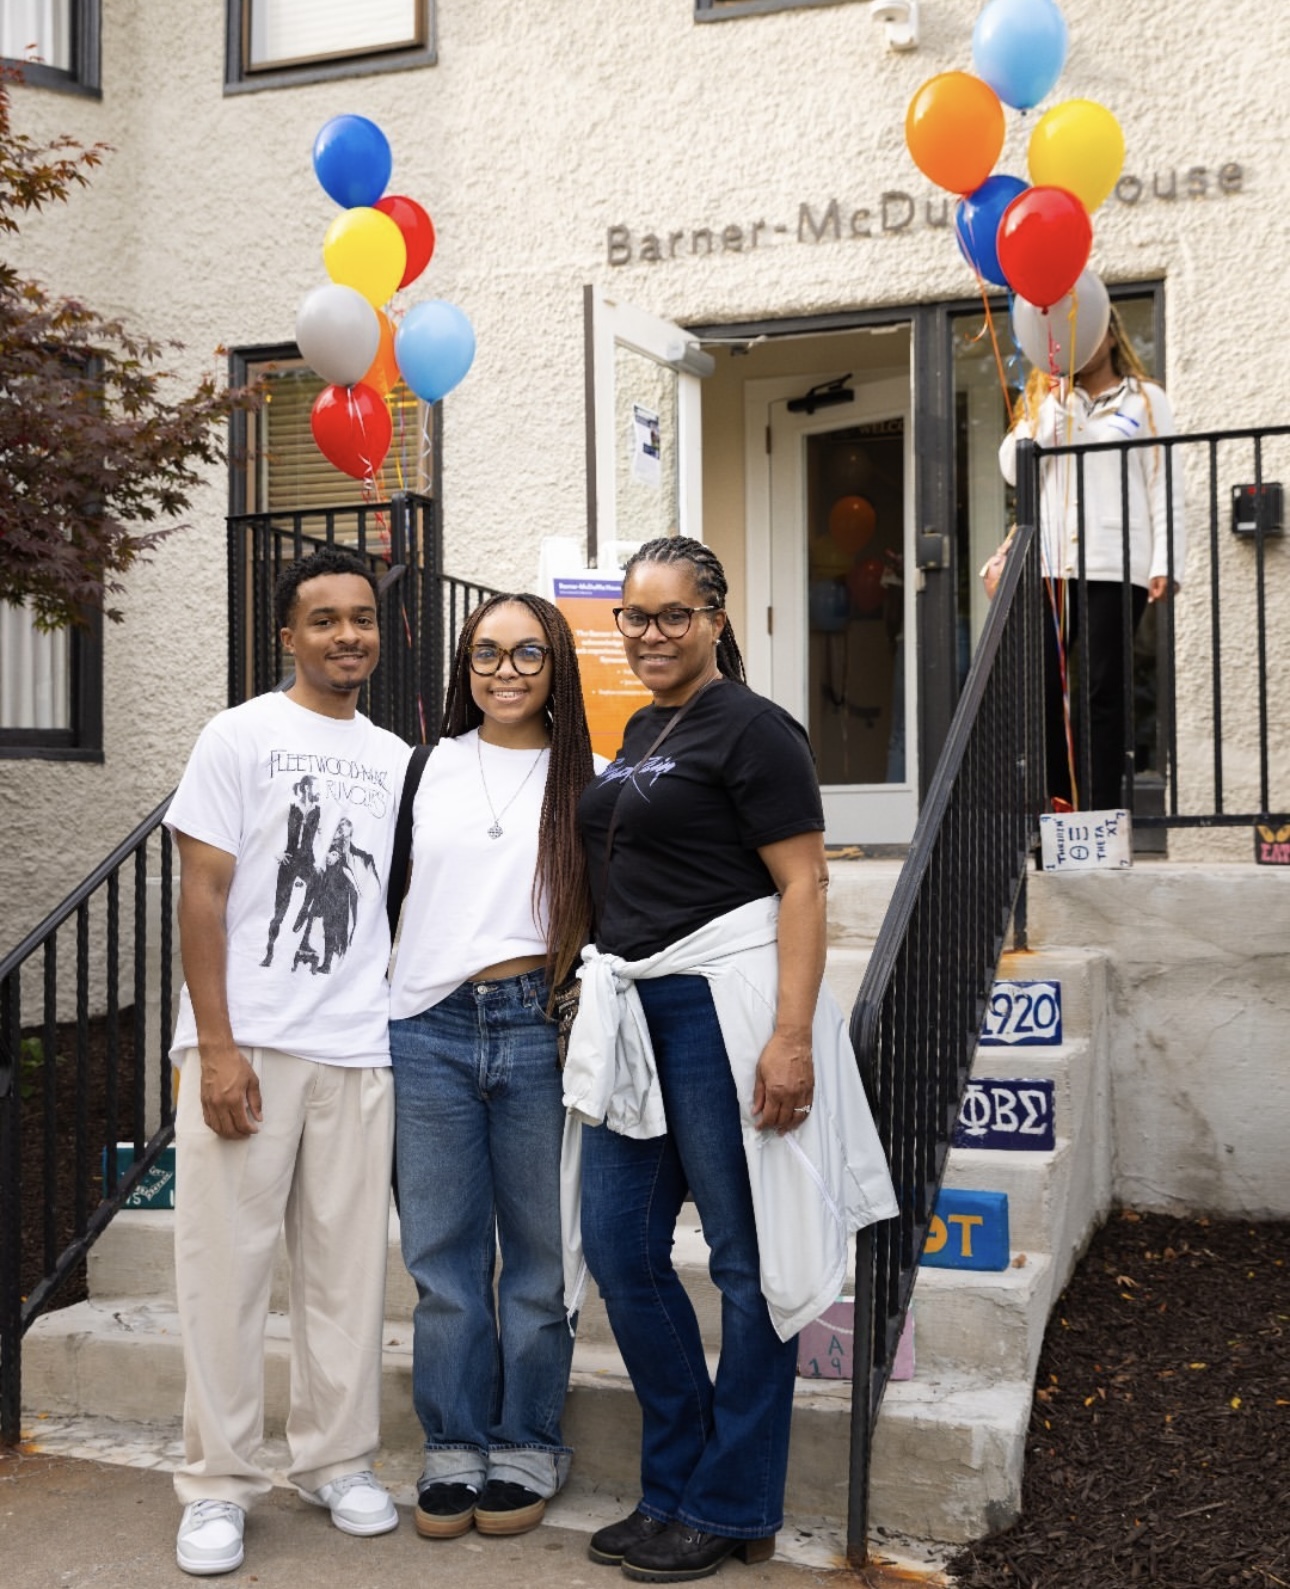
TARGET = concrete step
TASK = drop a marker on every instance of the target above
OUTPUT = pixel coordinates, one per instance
(948, 1456)
(949, 1446)
(122, 1360)
(859, 893)
(844, 970)
(992, 1323)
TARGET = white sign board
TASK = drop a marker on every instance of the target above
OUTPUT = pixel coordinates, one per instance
(1087, 841)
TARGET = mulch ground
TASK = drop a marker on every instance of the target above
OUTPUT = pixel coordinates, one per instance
(1159, 1441)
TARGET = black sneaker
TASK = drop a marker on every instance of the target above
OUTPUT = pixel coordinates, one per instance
(506, 1508)
(445, 1510)
(609, 1545)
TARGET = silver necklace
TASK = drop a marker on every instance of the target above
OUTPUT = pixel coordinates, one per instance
(495, 832)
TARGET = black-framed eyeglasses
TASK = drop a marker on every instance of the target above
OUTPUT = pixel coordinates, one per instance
(672, 622)
(526, 659)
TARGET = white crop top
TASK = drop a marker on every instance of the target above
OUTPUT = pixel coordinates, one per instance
(470, 903)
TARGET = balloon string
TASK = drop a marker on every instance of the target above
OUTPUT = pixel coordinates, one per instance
(1058, 590)
(989, 326)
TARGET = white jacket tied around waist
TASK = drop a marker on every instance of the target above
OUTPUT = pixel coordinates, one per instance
(1130, 412)
(813, 1188)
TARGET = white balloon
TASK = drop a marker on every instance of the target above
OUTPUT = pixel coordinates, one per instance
(338, 333)
(1045, 335)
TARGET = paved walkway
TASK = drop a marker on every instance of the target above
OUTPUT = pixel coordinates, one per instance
(91, 1505)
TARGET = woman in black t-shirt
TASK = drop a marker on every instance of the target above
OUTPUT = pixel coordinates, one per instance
(684, 827)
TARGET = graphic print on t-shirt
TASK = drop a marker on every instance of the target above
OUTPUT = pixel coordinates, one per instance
(320, 897)
(296, 863)
(651, 769)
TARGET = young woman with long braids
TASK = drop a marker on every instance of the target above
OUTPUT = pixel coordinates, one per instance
(720, 1068)
(496, 912)
(1111, 399)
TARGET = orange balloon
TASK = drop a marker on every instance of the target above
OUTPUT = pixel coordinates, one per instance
(852, 521)
(383, 375)
(955, 128)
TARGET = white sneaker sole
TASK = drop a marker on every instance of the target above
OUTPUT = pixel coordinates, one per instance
(365, 1529)
(207, 1569)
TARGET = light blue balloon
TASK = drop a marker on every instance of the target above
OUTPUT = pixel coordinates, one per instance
(434, 347)
(1019, 48)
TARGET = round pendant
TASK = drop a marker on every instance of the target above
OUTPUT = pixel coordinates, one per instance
(495, 832)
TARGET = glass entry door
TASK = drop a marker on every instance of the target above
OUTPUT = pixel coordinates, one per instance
(842, 588)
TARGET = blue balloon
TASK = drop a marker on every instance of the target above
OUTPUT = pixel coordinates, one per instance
(828, 605)
(1019, 48)
(976, 224)
(352, 160)
(434, 347)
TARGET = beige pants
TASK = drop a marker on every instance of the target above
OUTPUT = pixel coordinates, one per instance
(318, 1169)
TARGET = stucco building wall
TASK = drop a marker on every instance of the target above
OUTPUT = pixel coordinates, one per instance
(541, 128)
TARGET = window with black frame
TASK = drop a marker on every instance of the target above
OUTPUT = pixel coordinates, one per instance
(53, 43)
(273, 43)
(281, 467)
(51, 689)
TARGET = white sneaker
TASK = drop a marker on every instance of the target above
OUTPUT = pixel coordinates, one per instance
(357, 1503)
(210, 1537)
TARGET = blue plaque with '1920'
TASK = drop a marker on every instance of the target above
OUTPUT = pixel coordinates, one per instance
(1023, 1015)
(1007, 1114)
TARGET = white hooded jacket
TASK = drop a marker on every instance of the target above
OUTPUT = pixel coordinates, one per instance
(1128, 412)
(812, 1188)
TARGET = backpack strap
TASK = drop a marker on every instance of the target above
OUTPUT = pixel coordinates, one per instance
(402, 853)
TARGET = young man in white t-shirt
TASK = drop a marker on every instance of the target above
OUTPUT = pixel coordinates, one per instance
(284, 1120)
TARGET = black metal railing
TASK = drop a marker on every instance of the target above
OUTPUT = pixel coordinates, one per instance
(422, 608)
(919, 1010)
(97, 977)
(89, 1022)
(1203, 761)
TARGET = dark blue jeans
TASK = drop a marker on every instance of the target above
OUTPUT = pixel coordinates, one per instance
(714, 1455)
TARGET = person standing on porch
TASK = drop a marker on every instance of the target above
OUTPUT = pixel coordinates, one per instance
(1112, 399)
(284, 1121)
(720, 1069)
(495, 917)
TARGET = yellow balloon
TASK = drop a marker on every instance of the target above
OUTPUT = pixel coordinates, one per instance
(364, 249)
(1078, 145)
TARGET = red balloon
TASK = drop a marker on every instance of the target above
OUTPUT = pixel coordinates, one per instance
(352, 427)
(864, 585)
(417, 229)
(1043, 243)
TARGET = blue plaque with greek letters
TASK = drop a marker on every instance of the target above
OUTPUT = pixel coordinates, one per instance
(1008, 1114)
(1023, 1015)
(968, 1230)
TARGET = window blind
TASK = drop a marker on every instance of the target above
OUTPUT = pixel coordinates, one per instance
(291, 473)
(35, 688)
(286, 31)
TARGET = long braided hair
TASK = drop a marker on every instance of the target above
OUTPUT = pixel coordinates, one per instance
(560, 881)
(710, 579)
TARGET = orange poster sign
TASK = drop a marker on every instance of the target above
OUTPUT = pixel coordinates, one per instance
(610, 689)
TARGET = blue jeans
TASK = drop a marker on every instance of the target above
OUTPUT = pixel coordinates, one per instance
(478, 1122)
(713, 1455)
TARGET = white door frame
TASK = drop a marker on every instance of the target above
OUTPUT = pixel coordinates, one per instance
(609, 324)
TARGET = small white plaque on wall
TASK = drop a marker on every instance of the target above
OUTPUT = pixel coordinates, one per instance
(1087, 841)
